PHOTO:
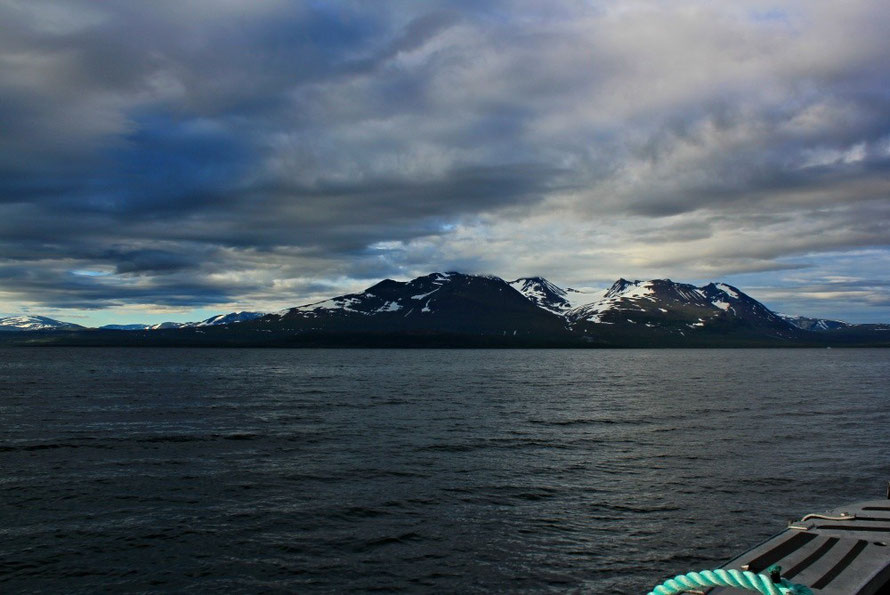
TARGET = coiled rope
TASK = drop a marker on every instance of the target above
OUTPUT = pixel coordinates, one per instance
(683, 583)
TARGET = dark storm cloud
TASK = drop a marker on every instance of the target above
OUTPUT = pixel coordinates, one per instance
(151, 261)
(351, 216)
(202, 151)
(62, 288)
(138, 125)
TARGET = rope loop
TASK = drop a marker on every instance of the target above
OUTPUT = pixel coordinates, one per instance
(683, 583)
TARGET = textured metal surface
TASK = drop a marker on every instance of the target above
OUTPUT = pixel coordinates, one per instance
(831, 556)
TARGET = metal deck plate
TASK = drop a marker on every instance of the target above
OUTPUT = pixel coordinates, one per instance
(847, 554)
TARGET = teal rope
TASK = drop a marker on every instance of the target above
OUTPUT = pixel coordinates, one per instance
(728, 578)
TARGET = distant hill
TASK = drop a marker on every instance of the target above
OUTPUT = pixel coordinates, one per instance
(816, 324)
(212, 321)
(459, 310)
(24, 323)
(36, 323)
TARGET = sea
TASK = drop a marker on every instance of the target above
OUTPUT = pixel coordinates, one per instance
(420, 471)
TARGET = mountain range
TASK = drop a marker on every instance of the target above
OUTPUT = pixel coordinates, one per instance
(454, 309)
(26, 322)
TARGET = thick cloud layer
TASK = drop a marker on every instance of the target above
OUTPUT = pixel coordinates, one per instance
(204, 154)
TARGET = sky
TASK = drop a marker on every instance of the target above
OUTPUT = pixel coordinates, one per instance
(175, 159)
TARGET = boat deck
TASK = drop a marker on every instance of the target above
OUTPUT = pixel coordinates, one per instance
(842, 552)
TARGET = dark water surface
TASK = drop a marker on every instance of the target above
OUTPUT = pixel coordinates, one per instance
(422, 471)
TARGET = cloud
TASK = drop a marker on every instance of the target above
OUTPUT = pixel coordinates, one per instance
(265, 152)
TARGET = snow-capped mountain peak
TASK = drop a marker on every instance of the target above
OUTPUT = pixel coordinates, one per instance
(622, 288)
(543, 293)
(676, 307)
(732, 300)
(436, 303)
(418, 296)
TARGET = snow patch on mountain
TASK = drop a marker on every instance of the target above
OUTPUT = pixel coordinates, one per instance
(728, 289)
(162, 326)
(389, 307)
(578, 298)
(722, 305)
(420, 296)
